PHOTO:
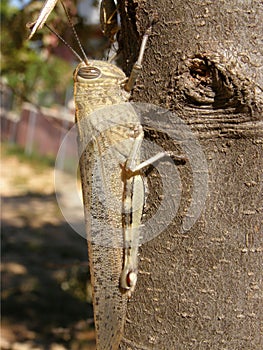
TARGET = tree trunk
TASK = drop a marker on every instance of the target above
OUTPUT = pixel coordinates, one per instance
(202, 288)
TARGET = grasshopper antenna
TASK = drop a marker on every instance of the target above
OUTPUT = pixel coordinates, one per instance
(75, 33)
(30, 25)
(64, 42)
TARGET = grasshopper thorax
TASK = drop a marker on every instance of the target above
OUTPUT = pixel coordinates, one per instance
(98, 84)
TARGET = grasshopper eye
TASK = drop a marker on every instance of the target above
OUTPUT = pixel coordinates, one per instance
(89, 72)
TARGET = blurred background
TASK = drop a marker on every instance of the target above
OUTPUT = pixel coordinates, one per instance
(46, 293)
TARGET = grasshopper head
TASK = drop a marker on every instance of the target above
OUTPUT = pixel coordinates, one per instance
(98, 72)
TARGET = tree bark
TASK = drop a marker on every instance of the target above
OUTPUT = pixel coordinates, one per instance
(202, 289)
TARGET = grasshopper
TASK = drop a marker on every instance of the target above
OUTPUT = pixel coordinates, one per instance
(113, 195)
(109, 19)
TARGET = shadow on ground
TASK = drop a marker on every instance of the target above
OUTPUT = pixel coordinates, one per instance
(45, 278)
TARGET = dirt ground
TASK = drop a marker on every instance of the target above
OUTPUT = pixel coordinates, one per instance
(45, 277)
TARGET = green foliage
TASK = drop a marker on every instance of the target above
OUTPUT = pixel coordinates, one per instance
(34, 159)
(32, 72)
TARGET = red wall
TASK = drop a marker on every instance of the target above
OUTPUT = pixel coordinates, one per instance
(37, 132)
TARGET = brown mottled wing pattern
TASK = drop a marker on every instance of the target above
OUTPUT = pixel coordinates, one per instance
(105, 138)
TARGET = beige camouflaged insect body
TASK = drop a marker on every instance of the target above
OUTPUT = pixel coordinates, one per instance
(106, 138)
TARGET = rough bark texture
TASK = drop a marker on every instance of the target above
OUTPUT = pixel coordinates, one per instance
(203, 289)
